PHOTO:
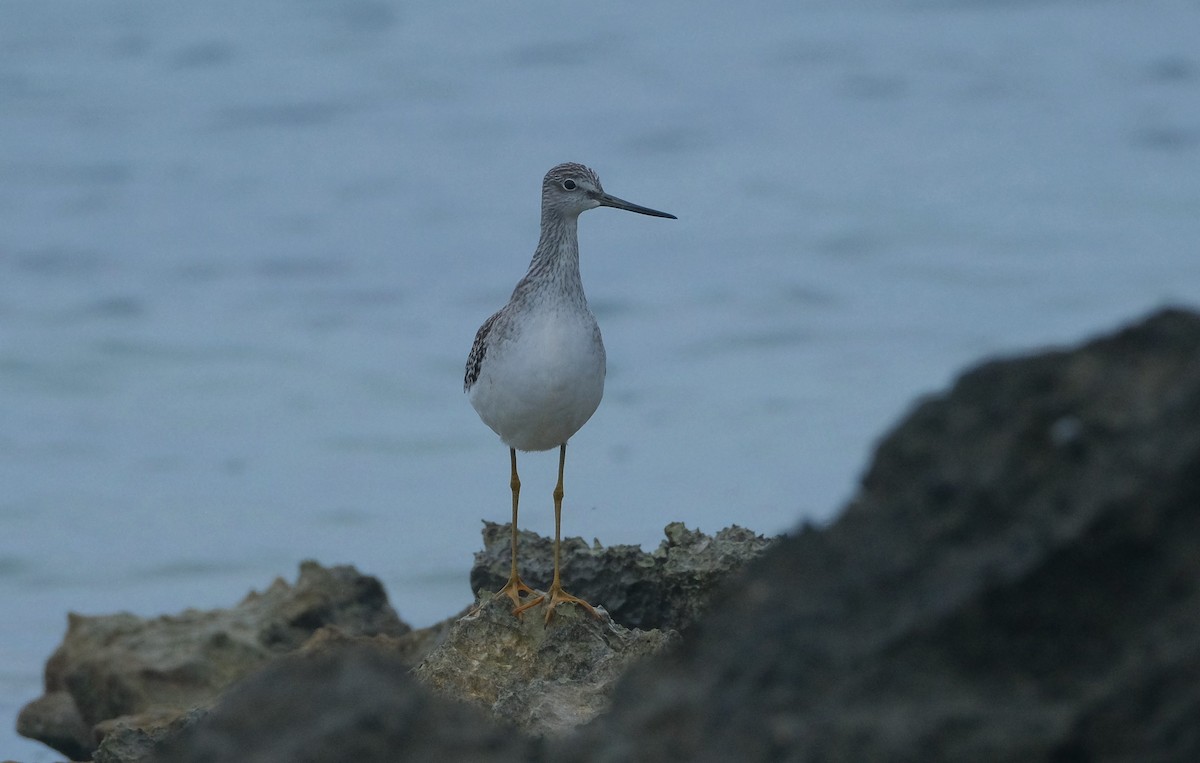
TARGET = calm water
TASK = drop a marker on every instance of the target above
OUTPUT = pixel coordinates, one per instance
(244, 248)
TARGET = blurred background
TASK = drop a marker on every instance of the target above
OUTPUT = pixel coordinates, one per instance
(245, 247)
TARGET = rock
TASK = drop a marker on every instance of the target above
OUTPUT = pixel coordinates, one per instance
(1017, 580)
(54, 720)
(355, 704)
(667, 588)
(136, 737)
(544, 678)
(149, 672)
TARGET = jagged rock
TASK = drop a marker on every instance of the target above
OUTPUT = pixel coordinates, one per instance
(666, 588)
(546, 678)
(355, 704)
(1017, 580)
(150, 671)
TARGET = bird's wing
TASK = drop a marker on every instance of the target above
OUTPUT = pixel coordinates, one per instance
(478, 350)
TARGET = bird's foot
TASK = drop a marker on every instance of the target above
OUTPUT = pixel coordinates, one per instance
(552, 598)
(514, 589)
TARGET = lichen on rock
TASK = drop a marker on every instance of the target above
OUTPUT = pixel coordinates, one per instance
(544, 677)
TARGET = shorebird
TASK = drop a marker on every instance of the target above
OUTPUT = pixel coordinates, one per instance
(535, 374)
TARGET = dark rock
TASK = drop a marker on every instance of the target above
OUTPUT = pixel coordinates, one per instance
(149, 672)
(355, 704)
(1017, 580)
(667, 588)
(545, 678)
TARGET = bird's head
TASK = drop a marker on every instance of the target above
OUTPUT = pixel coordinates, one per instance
(569, 189)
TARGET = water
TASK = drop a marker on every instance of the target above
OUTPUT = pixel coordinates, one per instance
(244, 249)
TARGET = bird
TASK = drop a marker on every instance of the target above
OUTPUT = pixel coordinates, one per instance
(535, 373)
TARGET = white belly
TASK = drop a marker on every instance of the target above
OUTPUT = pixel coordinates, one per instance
(539, 385)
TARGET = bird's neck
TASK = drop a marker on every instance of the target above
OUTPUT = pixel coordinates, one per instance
(555, 263)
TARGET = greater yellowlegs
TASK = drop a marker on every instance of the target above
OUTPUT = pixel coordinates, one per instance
(535, 374)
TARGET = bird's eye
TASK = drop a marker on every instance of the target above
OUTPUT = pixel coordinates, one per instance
(568, 185)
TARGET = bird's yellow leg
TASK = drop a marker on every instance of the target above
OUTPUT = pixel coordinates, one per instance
(556, 595)
(515, 587)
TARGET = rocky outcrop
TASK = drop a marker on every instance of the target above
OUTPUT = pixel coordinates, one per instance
(121, 685)
(667, 588)
(1017, 580)
(122, 673)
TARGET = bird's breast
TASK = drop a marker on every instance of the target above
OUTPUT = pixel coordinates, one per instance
(541, 379)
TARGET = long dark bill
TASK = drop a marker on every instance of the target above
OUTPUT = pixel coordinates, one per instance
(612, 201)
